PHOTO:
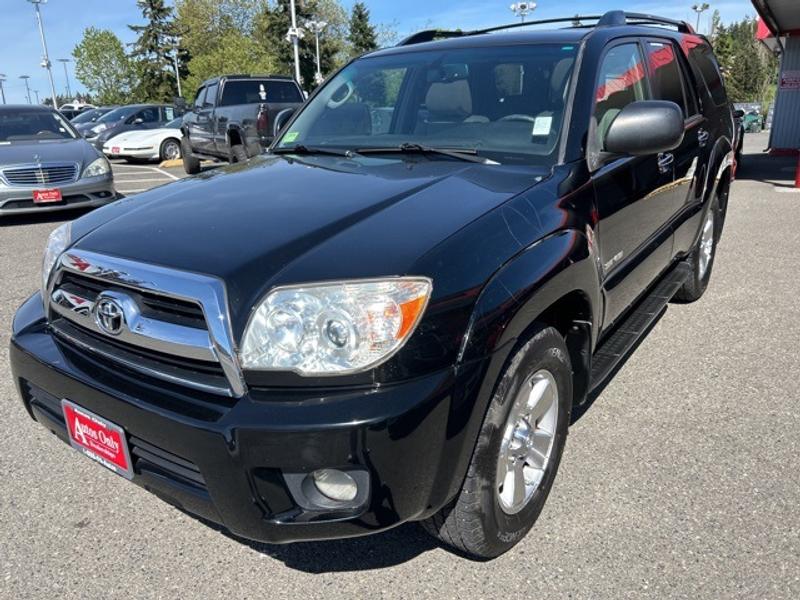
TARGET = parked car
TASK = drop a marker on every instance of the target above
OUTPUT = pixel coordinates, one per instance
(380, 324)
(46, 165)
(73, 109)
(232, 116)
(127, 118)
(86, 120)
(151, 144)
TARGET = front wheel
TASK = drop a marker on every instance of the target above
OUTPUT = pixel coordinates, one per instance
(191, 164)
(517, 454)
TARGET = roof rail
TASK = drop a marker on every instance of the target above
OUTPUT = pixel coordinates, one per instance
(612, 18)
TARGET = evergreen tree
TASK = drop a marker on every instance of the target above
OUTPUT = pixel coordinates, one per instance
(363, 37)
(154, 52)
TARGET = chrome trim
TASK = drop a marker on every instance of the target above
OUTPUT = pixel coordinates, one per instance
(137, 364)
(137, 330)
(209, 292)
(40, 167)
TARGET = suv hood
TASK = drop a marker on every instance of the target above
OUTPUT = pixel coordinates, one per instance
(280, 220)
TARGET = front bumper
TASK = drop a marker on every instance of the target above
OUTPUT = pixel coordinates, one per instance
(151, 153)
(231, 462)
(84, 193)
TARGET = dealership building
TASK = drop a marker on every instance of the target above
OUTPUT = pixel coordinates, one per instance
(779, 30)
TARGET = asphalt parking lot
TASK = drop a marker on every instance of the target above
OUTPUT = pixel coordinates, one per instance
(681, 481)
(132, 179)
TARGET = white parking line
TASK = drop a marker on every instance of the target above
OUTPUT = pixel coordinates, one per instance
(142, 179)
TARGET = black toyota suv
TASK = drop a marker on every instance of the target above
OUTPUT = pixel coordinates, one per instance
(393, 315)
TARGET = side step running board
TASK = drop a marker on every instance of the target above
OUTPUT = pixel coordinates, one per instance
(635, 326)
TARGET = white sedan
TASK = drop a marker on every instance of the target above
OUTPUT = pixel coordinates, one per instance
(163, 143)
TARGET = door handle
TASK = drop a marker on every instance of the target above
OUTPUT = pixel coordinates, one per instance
(703, 137)
(665, 162)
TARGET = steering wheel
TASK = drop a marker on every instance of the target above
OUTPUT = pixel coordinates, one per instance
(333, 103)
(518, 117)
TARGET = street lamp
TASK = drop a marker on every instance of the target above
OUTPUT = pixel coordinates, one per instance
(700, 9)
(2, 91)
(175, 43)
(521, 9)
(27, 88)
(64, 62)
(294, 35)
(317, 27)
(45, 58)
(37, 95)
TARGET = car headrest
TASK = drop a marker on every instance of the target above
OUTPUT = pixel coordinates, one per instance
(450, 98)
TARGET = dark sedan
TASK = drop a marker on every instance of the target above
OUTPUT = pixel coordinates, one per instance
(87, 119)
(45, 165)
(127, 118)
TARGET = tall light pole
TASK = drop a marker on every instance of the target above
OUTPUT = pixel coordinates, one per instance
(522, 9)
(27, 88)
(2, 91)
(700, 9)
(64, 62)
(175, 44)
(293, 35)
(45, 58)
(37, 95)
(317, 27)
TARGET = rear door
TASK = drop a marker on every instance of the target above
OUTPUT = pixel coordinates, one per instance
(670, 81)
(634, 238)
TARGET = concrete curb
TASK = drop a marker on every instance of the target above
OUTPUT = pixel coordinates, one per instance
(168, 164)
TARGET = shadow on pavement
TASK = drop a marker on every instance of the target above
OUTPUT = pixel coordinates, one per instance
(58, 216)
(760, 166)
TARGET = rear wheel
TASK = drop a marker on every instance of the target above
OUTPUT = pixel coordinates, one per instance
(702, 257)
(170, 149)
(191, 164)
(517, 454)
(238, 154)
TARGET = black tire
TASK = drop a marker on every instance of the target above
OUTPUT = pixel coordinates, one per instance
(191, 164)
(475, 523)
(165, 152)
(238, 154)
(697, 282)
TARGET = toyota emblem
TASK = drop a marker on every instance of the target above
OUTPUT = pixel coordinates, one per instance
(109, 316)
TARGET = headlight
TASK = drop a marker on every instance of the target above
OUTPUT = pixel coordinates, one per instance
(56, 244)
(97, 168)
(334, 328)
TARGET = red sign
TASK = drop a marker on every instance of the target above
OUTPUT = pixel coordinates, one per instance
(115, 150)
(100, 440)
(47, 196)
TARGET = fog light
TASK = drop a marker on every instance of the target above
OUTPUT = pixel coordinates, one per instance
(336, 485)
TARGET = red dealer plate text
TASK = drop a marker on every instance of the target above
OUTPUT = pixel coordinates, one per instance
(97, 438)
(45, 196)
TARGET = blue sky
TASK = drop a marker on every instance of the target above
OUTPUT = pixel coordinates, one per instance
(65, 20)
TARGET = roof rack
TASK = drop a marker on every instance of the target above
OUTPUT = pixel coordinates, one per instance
(613, 18)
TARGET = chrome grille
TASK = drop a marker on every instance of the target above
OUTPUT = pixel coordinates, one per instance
(146, 318)
(48, 174)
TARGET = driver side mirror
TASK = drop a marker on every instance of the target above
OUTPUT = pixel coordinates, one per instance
(282, 119)
(646, 127)
(738, 113)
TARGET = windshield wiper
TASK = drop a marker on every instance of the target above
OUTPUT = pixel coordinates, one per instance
(302, 149)
(465, 154)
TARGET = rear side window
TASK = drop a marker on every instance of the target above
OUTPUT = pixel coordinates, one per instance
(621, 80)
(703, 59)
(665, 74)
(257, 91)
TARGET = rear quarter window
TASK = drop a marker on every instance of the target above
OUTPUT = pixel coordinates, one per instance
(703, 60)
(255, 91)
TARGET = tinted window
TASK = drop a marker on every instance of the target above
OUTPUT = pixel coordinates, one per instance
(89, 115)
(700, 54)
(169, 113)
(117, 114)
(33, 125)
(148, 115)
(255, 91)
(505, 103)
(621, 80)
(665, 73)
(200, 98)
(211, 95)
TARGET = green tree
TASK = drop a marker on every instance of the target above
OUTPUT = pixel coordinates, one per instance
(236, 53)
(103, 67)
(154, 51)
(271, 27)
(363, 36)
(204, 24)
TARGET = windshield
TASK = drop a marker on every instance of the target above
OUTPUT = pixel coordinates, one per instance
(88, 116)
(506, 103)
(26, 125)
(117, 114)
